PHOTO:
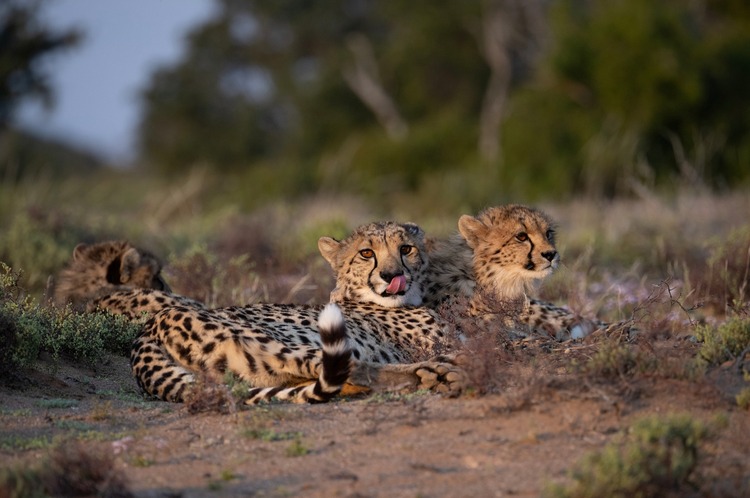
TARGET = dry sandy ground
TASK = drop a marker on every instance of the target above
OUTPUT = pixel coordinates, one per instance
(416, 445)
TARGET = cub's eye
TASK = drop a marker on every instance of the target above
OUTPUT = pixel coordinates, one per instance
(406, 249)
(367, 253)
(522, 237)
(550, 235)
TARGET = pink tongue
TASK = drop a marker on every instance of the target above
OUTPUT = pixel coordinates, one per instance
(398, 284)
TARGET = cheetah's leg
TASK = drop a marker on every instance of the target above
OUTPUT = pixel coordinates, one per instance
(437, 375)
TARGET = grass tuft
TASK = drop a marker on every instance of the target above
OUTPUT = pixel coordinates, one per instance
(207, 396)
(613, 360)
(724, 342)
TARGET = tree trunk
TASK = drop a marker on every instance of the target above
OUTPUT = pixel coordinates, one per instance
(364, 80)
(496, 38)
(508, 27)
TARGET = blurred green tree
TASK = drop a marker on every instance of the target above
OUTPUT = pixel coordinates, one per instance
(303, 79)
(519, 97)
(635, 91)
(25, 42)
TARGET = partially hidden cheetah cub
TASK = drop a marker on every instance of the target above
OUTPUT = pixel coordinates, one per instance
(504, 250)
(498, 257)
(105, 267)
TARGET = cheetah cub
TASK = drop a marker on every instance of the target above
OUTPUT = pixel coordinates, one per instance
(105, 267)
(503, 253)
(504, 250)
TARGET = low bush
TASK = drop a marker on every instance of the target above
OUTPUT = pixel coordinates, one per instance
(69, 470)
(657, 458)
(725, 341)
(29, 329)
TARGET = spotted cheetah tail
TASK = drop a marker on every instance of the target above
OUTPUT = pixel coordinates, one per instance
(335, 365)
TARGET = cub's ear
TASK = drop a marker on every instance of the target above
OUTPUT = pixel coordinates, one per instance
(129, 262)
(329, 248)
(79, 250)
(471, 229)
(413, 229)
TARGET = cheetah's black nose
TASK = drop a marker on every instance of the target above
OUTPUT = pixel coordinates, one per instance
(388, 276)
(549, 255)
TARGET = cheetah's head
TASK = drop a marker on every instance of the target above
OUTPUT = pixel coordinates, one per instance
(105, 267)
(380, 263)
(513, 245)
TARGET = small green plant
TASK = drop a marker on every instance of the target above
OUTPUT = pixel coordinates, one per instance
(227, 475)
(237, 387)
(743, 398)
(141, 461)
(613, 360)
(297, 448)
(658, 456)
(224, 477)
(22, 443)
(57, 403)
(724, 342)
(270, 434)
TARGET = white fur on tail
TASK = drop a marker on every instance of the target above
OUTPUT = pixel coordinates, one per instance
(335, 365)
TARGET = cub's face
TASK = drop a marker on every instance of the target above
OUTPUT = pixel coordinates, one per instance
(380, 263)
(513, 246)
(99, 268)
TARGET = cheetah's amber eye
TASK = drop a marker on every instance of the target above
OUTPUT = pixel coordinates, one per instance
(367, 253)
(406, 249)
(522, 237)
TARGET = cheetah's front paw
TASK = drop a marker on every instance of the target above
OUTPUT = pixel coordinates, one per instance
(444, 378)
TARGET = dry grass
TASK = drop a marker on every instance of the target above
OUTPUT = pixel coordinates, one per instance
(69, 470)
(207, 396)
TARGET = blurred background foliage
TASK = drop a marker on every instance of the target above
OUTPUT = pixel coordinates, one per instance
(478, 101)
(523, 98)
(286, 120)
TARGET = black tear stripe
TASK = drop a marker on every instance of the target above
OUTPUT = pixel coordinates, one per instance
(113, 271)
(369, 276)
(530, 265)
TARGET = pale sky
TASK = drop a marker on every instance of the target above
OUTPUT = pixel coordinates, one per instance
(97, 84)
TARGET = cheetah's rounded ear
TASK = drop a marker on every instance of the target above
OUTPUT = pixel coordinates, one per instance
(413, 229)
(471, 229)
(79, 250)
(131, 259)
(329, 248)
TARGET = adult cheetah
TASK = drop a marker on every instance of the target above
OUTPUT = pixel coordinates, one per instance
(285, 353)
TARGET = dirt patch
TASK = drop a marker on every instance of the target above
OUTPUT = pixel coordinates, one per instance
(508, 444)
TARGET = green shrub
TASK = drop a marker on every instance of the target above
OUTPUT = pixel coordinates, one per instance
(724, 342)
(615, 360)
(658, 456)
(29, 328)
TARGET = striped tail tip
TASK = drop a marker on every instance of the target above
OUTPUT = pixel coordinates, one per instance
(335, 366)
(337, 352)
